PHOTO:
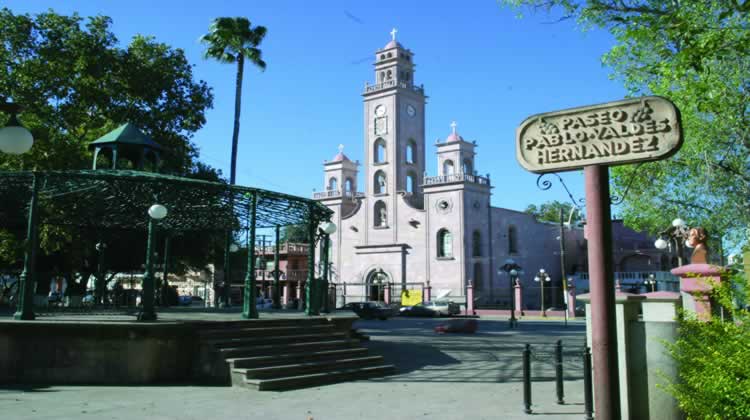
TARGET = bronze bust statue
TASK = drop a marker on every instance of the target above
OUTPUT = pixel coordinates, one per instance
(697, 238)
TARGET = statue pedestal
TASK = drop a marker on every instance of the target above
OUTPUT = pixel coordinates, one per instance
(696, 283)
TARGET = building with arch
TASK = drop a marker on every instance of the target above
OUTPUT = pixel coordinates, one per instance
(418, 231)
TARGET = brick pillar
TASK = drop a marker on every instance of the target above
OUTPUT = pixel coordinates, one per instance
(518, 298)
(696, 286)
(470, 299)
(572, 300)
(426, 293)
(285, 294)
(387, 294)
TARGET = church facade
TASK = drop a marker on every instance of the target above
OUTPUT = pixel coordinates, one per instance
(431, 233)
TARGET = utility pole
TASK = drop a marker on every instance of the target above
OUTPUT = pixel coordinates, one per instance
(563, 280)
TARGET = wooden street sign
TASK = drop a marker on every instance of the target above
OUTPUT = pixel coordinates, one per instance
(632, 130)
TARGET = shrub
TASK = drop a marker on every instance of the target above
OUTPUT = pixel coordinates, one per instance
(713, 358)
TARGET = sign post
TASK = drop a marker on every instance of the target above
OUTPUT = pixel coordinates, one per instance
(594, 138)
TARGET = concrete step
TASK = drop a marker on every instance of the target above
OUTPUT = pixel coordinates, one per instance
(264, 331)
(259, 341)
(285, 359)
(271, 349)
(308, 367)
(262, 323)
(317, 379)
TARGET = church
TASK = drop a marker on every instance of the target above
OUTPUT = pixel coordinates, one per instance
(419, 235)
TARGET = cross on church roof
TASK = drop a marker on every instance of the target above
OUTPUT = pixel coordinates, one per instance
(393, 33)
(453, 127)
(341, 148)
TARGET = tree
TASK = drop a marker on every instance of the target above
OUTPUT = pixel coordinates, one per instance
(550, 212)
(232, 40)
(696, 53)
(294, 233)
(76, 83)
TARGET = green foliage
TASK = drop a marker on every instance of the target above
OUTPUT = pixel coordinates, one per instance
(76, 83)
(550, 212)
(294, 233)
(712, 358)
(696, 53)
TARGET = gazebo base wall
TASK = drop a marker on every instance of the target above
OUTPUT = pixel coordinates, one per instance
(94, 353)
(123, 353)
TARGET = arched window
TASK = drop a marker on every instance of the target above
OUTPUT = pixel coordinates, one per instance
(411, 182)
(476, 244)
(380, 183)
(512, 240)
(411, 148)
(349, 185)
(468, 168)
(333, 184)
(378, 152)
(382, 56)
(448, 167)
(444, 243)
(380, 216)
(388, 74)
(390, 55)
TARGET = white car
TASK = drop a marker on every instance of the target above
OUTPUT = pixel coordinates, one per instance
(443, 307)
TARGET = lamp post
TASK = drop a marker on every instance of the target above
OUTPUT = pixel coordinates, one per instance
(542, 277)
(156, 212)
(15, 139)
(651, 281)
(513, 270)
(327, 229)
(676, 233)
(100, 286)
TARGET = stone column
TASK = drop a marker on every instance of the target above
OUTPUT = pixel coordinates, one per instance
(387, 294)
(572, 301)
(470, 299)
(696, 285)
(285, 295)
(518, 297)
(652, 367)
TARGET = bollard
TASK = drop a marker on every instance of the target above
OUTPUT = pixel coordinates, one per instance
(559, 372)
(527, 379)
(587, 397)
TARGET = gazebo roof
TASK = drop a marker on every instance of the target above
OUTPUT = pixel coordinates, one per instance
(120, 199)
(128, 134)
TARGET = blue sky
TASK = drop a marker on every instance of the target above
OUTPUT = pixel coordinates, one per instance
(480, 65)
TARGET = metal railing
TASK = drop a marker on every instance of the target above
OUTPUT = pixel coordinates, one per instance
(346, 195)
(393, 83)
(458, 177)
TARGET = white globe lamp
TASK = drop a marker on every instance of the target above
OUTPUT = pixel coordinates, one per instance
(14, 138)
(157, 212)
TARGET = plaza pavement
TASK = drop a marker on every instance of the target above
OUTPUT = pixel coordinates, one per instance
(451, 376)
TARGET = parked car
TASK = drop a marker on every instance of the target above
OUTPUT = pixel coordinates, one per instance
(370, 310)
(185, 300)
(433, 308)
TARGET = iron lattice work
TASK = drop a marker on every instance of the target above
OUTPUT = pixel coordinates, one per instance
(119, 199)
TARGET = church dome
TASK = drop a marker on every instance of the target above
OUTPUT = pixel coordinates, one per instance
(393, 44)
(340, 157)
(453, 137)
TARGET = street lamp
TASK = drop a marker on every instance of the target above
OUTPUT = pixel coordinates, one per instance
(678, 233)
(542, 277)
(156, 212)
(651, 281)
(513, 270)
(15, 139)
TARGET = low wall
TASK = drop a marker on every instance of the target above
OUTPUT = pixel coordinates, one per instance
(96, 352)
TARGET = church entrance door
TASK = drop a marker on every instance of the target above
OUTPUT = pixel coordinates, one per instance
(376, 283)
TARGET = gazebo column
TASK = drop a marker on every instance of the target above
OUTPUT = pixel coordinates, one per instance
(310, 286)
(148, 313)
(323, 287)
(165, 276)
(276, 285)
(248, 302)
(27, 280)
(114, 157)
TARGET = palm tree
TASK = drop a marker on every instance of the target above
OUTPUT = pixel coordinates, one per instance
(233, 40)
